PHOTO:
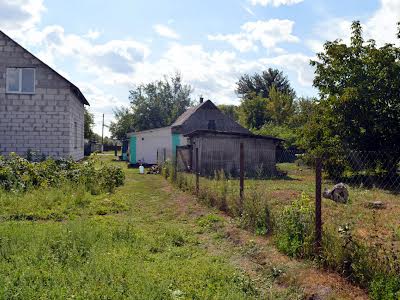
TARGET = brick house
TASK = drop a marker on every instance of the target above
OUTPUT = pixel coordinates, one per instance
(40, 110)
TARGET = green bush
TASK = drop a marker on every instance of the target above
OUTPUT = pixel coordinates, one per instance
(295, 228)
(18, 174)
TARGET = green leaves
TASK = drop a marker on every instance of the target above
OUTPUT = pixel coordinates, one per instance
(359, 86)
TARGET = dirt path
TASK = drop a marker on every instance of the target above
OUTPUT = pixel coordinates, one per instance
(258, 257)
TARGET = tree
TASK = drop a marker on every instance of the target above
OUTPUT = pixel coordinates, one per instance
(159, 103)
(230, 110)
(260, 84)
(280, 106)
(359, 85)
(153, 105)
(124, 122)
(88, 124)
(253, 112)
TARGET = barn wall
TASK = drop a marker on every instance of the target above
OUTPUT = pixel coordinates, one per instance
(222, 152)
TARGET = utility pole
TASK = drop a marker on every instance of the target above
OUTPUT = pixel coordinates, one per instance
(102, 135)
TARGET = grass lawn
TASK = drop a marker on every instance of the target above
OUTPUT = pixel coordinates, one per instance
(145, 241)
(380, 226)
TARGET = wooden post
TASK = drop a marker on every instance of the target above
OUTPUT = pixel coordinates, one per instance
(165, 154)
(175, 164)
(318, 218)
(197, 170)
(241, 173)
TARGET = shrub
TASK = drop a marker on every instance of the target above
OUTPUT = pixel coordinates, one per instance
(295, 228)
(19, 175)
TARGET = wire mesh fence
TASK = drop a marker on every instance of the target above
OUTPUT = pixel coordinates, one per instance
(361, 169)
(257, 184)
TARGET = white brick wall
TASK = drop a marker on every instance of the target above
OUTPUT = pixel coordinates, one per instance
(42, 122)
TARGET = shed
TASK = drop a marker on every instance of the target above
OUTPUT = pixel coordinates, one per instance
(156, 145)
(220, 150)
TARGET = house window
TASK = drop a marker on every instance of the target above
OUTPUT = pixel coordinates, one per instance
(211, 125)
(75, 135)
(20, 80)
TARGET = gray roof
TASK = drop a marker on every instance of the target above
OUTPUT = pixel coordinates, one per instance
(240, 134)
(189, 112)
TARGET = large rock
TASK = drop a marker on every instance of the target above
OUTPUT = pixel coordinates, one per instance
(339, 193)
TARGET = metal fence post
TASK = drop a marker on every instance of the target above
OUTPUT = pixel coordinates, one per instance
(241, 173)
(318, 218)
(197, 170)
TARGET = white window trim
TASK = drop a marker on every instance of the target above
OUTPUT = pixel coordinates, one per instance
(20, 81)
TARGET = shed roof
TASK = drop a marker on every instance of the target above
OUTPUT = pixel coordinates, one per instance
(73, 87)
(240, 134)
(190, 111)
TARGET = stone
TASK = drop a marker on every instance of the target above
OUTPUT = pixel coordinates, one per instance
(376, 205)
(339, 193)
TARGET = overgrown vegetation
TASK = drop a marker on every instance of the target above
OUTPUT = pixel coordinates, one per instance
(107, 245)
(372, 262)
(18, 174)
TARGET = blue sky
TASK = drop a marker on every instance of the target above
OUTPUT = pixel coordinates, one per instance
(108, 47)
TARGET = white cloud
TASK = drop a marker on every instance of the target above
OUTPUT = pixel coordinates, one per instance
(19, 15)
(92, 34)
(268, 33)
(294, 62)
(382, 25)
(165, 31)
(274, 2)
(114, 57)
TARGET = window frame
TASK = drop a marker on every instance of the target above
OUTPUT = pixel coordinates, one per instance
(19, 69)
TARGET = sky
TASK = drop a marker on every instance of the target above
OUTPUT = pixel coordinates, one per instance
(107, 48)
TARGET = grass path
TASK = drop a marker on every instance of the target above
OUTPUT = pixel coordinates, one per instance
(164, 245)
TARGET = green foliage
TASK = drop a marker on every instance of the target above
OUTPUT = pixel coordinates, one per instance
(145, 252)
(295, 228)
(261, 84)
(57, 203)
(280, 131)
(256, 212)
(153, 105)
(18, 174)
(230, 110)
(88, 124)
(359, 108)
(124, 120)
(368, 265)
(385, 288)
(252, 112)
(280, 106)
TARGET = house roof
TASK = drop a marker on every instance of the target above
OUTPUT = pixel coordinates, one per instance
(73, 87)
(190, 111)
(240, 134)
(129, 134)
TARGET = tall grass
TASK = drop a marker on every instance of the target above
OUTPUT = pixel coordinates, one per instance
(369, 265)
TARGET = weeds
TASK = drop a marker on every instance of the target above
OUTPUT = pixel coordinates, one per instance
(295, 228)
(20, 175)
(372, 266)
